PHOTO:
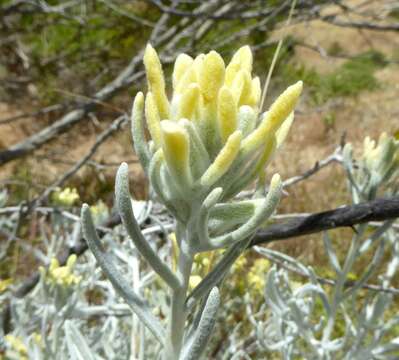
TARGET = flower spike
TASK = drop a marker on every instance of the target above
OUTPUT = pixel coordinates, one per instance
(212, 76)
(176, 148)
(273, 119)
(153, 119)
(156, 81)
(227, 113)
(182, 65)
(223, 161)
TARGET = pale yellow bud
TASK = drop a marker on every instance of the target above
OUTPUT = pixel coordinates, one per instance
(212, 76)
(242, 87)
(198, 63)
(176, 148)
(245, 56)
(246, 90)
(282, 132)
(241, 60)
(237, 86)
(182, 64)
(273, 119)
(227, 113)
(368, 145)
(223, 160)
(153, 119)
(188, 102)
(256, 92)
(189, 77)
(156, 81)
(275, 182)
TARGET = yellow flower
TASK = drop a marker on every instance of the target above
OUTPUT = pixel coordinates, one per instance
(381, 158)
(4, 284)
(209, 125)
(17, 345)
(156, 81)
(257, 275)
(61, 275)
(37, 338)
(98, 208)
(240, 264)
(66, 197)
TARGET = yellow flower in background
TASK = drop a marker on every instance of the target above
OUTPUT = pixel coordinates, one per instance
(98, 208)
(4, 284)
(240, 264)
(385, 153)
(17, 345)
(99, 211)
(66, 197)
(257, 275)
(38, 339)
(61, 275)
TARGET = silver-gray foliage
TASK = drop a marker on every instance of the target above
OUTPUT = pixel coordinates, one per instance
(345, 320)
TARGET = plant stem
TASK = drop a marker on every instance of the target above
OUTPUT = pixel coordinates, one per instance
(178, 312)
(351, 257)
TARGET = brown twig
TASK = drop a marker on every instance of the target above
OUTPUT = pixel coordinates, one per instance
(346, 216)
(116, 125)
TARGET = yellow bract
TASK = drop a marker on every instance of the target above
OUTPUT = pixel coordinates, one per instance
(273, 119)
(227, 113)
(156, 81)
(182, 64)
(241, 60)
(188, 102)
(211, 76)
(242, 86)
(176, 148)
(256, 92)
(153, 119)
(223, 161)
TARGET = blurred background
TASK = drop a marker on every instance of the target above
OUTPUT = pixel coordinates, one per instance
(70, 69)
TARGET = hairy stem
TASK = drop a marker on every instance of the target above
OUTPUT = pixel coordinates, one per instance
(178, 312)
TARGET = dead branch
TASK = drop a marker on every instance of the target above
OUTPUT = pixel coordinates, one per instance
(346, 216)
(116, 125)
(362, 24)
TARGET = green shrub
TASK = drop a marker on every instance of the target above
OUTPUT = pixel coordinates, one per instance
(351, 78)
